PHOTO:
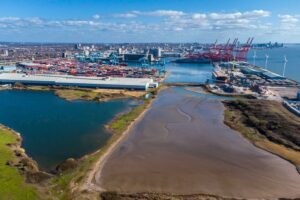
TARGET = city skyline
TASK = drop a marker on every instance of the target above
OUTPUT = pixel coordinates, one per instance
(146, 21)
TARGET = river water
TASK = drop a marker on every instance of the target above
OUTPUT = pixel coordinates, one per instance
(276, 60)
(188, 72)
(54, 129)
(201, 72)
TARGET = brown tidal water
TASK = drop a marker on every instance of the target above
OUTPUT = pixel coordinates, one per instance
(182, 146)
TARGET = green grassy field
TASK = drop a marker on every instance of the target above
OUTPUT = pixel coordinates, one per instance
(12, 183)
(73, 93)
(121, 122)
(76, 94)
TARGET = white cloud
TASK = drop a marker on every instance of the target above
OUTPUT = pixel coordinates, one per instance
(170, 13)
(11, 22)
(288, 23)
(96, 16)
(199, 16)
(256, 14)
(166, 22)
(220, 21)
(9, 19)
(288, 18)
(178, 29)
(156, 13)
(126, 15)
(172, 20)
(225, 16)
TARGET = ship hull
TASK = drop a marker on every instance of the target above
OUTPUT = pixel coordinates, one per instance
(193, 60)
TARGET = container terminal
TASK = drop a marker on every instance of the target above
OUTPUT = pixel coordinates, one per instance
(71, 72)
(242, 78)
(72, 67)
(232, 73)
(240, 75)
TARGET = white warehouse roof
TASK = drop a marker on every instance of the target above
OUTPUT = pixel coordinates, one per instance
(80, 81)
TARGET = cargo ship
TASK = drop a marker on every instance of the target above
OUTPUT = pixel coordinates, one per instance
(193, 60)
(204, 57)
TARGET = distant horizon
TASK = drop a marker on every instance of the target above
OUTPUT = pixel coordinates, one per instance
(90, 43)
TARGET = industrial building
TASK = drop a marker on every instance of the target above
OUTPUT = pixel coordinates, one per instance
(156, 52)
(7, 68)
(261, 72)
(138, 57)
(272, 75)
(77, 81)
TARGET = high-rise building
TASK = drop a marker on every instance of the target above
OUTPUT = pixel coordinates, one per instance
(120, 51)
(5, 53)
(156, 52)
(86, 52)
(66, 54)
(77, 46)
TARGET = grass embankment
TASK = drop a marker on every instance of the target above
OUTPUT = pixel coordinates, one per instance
(12, 183)
(121, 122)
(96, 94)
(268, 125)
(75, 93)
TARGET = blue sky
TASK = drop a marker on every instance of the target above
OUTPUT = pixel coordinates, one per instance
(148, 20)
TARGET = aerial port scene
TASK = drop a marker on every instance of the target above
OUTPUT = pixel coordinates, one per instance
(149, 100)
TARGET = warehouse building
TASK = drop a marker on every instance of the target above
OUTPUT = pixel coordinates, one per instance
(7, 68)
(77, 81)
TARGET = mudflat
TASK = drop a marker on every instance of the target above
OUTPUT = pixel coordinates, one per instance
(182, 146)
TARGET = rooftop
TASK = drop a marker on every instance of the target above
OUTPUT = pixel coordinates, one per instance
(81, 81)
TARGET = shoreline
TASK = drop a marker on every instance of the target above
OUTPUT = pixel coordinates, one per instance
(84, 161)
(86, 94)
(130, 170)
(259, 144)
(54, 91)
(18, 149)
(259, 140)
(86, 185)
(100, 163)
(91, 161)
(24, 171)
(163, 196)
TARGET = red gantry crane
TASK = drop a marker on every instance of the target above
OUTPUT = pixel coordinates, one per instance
(222, 52)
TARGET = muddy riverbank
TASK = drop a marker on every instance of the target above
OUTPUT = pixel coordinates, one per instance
(182, 146)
